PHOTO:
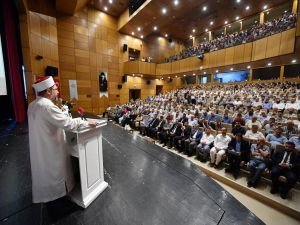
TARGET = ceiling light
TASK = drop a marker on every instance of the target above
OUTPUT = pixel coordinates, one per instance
(155, 28)
(269, 64)
(142, 36)
(194, 30)
(204, 72)
(176, 2)
(285, 11)
(184, 75)
(226, 22)
(231, 69)
(265, 6)
(247, 7)
(133, 74)
(110, 1)
(237, 17)
(164, 10)
(238, 1)
(294, 60)
(229, 26)
(105, 8)
(206, 30)
(166, 35)
(132, 33)
(176, 76)
(211, 23)
(204, 8)
(169, 77)
(268, 12)
(191, 36)
(139, 29)
(194, 74)
(248, 67)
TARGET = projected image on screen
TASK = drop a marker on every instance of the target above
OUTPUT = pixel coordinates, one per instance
(236, 76)
(3, 90)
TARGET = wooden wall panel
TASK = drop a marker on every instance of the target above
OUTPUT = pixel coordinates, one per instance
(221, 57)
(248, 52)
(238, 54)
(213, 59)
(259, 49)
(229, 56)
(273, 44)
(287, 41)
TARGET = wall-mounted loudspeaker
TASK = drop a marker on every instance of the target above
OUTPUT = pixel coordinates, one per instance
(119, 86)
(148, 82)
(170, 40)
(51, 71)
(124, 79)
(125, 47)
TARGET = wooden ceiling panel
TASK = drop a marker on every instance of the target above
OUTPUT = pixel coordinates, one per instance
(116, 8)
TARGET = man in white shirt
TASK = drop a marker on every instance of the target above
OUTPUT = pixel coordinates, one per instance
(279, 105)
(254, 134)
(203, 148)
(221, 142)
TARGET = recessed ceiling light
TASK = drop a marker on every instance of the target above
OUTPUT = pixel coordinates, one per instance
(237, 17)
(194, 30)
(204, 72)
(226, 22)
(105, 8)
(166, 35)
(110, 1)
(133, 74)
(206, 30)
(169, 77)
(155, 28)
(204, 8)
(247, 7)
(248, 67)
(265, 6)
(176, 76)
(211, 23)
(231, 69)
(269, 64)
(142, 36)
(294, 60)
(268, 12)
(176, 2)
(139, 29)
(238, 1)
(184, 75)
(191, 36)
(194, 74)
(285, 11)
(164, 10)
(217, 71)
(132, 33)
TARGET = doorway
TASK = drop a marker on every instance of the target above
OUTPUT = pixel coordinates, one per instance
(134, 94)
(159, 89)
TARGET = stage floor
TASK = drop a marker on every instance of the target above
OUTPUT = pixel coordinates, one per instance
(147, 185)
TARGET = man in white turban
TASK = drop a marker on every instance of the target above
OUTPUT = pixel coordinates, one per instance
(51, 170)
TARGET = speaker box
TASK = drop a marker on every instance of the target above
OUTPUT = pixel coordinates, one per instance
(170, 40)
(51, 71)
(119, 86)
(148, 82)
(124, 79)
(125, 47)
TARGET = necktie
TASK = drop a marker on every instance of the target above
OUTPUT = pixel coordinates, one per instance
(285, 159)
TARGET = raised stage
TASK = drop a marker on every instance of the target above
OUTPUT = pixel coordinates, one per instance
(147, 185)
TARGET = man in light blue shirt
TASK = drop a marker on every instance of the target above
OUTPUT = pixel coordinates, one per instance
(296, 141)
(276, 138)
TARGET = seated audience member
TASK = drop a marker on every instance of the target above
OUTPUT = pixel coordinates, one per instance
(260, 154)
(254, 134)
(286, 163)
(276, 138)
(296, 141)
(193, 141)
(144, 124)
(238, 151)
(270, 126)
(239, 119)
(292, 105)
(267, 104)
(174, 131)
(263, 118)
(216, 125)
(280, 119)
(238, 129)
(290, 129)
(279, 105)
(154, 122)
(221, 142)
(226, 118)
(186, 131)
(164, 133)
(253, 121)
(158, 128)
(206, 142)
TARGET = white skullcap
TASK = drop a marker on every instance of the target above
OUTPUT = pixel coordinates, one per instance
(44, 84)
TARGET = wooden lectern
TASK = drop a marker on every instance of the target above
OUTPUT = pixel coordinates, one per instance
(86, 145)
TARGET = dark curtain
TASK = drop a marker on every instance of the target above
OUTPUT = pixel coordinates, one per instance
(13, 66)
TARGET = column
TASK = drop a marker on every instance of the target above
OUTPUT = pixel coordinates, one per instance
(281, 72)
(294, 9)
(210, 37)
(261, 18)
(250, 74)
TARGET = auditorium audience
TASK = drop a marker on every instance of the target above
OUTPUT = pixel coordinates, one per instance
(174, 120)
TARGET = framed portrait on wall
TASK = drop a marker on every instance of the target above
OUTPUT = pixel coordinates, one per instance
(103, 84)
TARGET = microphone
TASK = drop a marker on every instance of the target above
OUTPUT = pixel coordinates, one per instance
(80, 111)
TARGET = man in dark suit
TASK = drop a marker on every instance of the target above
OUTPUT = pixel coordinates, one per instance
(238, 151)
(174, 131)
(193, 141)
(154, 130)
(154, 122)
(286, 163)
(186, 130)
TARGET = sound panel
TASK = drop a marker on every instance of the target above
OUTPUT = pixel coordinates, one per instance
(51, 71)
(119, 86)
(125, 47)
